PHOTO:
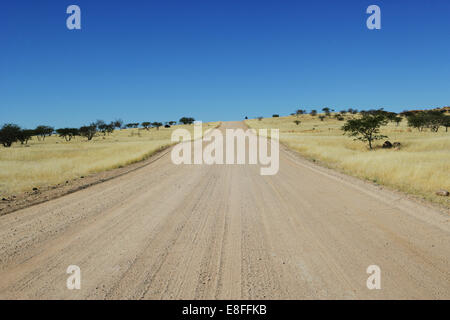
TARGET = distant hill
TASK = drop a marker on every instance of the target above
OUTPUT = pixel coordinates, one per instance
(445, 109)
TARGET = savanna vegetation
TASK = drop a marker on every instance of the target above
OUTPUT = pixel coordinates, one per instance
(416, 159)
(45, 157)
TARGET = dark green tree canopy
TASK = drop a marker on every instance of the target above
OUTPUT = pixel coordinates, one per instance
(9, 134)
(187, 120)
(366, 128)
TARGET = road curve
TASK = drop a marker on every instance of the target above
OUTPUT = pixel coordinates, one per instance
(226, 232)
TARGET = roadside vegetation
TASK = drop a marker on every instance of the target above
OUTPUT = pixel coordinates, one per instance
(409, 151)
(44, 156)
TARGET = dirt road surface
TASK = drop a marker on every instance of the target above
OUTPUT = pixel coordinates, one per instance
(226, 232)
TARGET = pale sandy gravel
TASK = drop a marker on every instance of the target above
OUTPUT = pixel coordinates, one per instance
(226, 232)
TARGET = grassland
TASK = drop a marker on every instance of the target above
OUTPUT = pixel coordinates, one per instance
(420, 167)
(52, 161)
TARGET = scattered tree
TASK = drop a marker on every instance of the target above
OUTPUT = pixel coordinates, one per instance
(118, 123)
(366, 129)
(446, 122)
(25, 135)
(297, 122)
(299, 112)
(9, 134)
(146, 125)
(88, 131)
(157, 125)
(67, 133)
(43, 131)
(397, 120)
(313, 113)
(132, 125)
(110, 127)
(327, 111)
(432, 119)
(101, 126)
(187, 120)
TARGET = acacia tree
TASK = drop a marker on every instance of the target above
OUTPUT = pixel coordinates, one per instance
(313, 113)
(88, 131)
(110, 127)
(9, 134)
(321, 117)
(367, 128)
(430, 119)
(101, 126)
(297, 122)
(299, 112)
(326, 110)
(397, 120)
(187, 120)
(446, 122)
(118, 123)
(416, 121)
(67, 133)
(434, 119)
(157, 125)
(43, 131)
(146, 125)
(25, 135)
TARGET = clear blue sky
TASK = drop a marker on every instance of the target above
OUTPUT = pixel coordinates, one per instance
(218, 59)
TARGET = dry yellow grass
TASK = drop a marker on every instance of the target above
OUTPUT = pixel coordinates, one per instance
(49, 162)
(420, 167)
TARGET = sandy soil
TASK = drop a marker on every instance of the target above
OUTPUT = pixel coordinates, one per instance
(226, 232)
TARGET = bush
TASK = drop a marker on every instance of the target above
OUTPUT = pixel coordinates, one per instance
(9, 134)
